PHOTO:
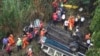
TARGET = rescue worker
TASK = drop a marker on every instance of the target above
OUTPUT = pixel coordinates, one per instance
(5, 42)
(63, 17)
(55, 5)
(71, 22)
(25, 42)
(11, 40)
(37, 23)
(8, 49)
(42, 32)
(77, 20)
(82, 21)
(36, 31)
(19, 44)
(41, 24)
(87, 36)
(29, 37)
(66, 24)
(42, 40)
(55, 18)
(59, 14)
(29, 52)
(64, 1)
(31, 27)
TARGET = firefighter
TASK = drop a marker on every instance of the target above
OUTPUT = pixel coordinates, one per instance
(87, 36)
(71, 22)
(11, 40)
(25, 42)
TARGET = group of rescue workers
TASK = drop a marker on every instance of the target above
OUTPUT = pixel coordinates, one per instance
(28, 35)
(37, 29)
(71, 23)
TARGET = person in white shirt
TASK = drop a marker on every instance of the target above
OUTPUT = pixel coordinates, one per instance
(76, 21)
(66, 24)
(63, 17)
(80, 9)
(31, 26)
(82, 21)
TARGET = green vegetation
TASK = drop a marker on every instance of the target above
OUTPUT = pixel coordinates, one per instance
(95, 28)
(13, 14)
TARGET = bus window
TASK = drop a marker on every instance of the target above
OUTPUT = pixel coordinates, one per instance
(51, 51)
(45, 47)
(64, 55)
(58, 54)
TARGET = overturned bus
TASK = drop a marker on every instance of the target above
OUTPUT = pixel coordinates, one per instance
(60, 43)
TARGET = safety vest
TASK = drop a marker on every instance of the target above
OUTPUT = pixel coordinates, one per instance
(11, 40)
(71, 23)
(25, 42)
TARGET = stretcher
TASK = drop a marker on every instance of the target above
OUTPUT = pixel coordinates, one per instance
(69, 6)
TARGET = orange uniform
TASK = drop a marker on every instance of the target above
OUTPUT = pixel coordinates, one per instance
(71, 22)
(87, 36)
(25, 42)
(42, 32)
(11, 40)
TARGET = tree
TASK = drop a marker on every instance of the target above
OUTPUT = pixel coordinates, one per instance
(13, 14)
(95, 28)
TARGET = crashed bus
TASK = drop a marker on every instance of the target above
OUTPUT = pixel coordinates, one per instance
(60, 43)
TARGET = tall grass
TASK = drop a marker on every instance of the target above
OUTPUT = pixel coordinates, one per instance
(13, 14)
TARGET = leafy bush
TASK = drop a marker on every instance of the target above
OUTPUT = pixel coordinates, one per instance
(13, 15)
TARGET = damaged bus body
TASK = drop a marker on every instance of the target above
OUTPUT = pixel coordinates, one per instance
(60, 43)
